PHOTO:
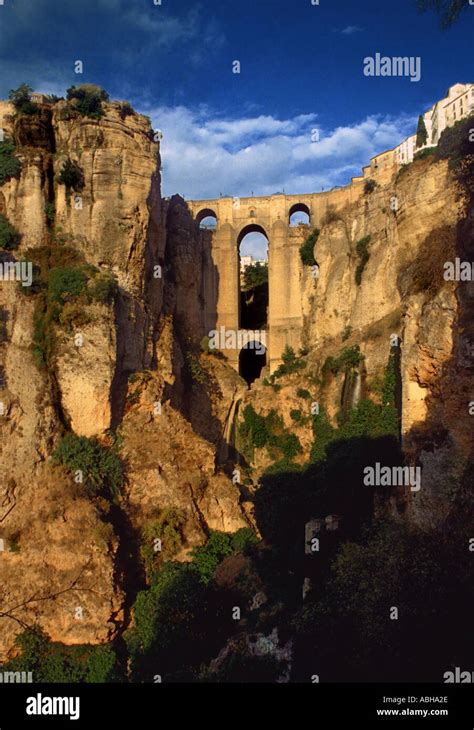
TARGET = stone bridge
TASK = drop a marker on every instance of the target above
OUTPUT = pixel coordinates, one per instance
(236, 217)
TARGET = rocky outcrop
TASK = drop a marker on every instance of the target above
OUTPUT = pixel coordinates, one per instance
(69, 549)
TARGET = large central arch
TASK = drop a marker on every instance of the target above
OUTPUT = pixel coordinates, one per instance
(253, 294)
(251, 228)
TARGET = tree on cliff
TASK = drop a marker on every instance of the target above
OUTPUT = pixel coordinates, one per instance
(88, 99)
(449, 10)
(421, 133)
(21, 99)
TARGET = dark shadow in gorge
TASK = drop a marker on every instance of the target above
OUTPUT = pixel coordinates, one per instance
(344, 629)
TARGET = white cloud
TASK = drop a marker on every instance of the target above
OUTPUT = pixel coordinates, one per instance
(205, 155)
(350, 30)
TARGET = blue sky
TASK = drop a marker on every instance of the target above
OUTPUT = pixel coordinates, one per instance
(301, 69)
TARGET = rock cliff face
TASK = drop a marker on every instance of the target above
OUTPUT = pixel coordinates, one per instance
(134, 365)
(63, 559)
(416, 223)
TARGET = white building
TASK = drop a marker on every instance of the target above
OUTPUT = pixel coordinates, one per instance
(38, 98)
(249, 260)
(458, 104)
(245, 261)
(405, 151)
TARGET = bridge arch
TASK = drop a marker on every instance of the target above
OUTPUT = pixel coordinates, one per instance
(253, 289)
(251, 228)
(304, 214)
(206, 213)
(252, 360)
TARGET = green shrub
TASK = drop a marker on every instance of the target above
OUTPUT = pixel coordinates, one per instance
(346, 333)
(454, 142)
(126, 110)
(254, 427)
(67, 113)
(303, 393)
(9, 236)
(243, 540)
(349, 358)
(323, 434)
(43, 336)
(288, 443)
(104, 289)
(296, 415)
(259, 431)
(73, 315)
(367, 419)
(60, 280)
(362, 249)
(54, 662)
(71, 176)
(204, 345)
(177, 606)
(87, 99)
(403, 168)
(369, 186)
(197, 372)
(167, 526)
(291, 363)
(455, 145)
(10, 166)
(330, 216)
(65, 283)
(50, 213)
(101, 665)
(100, 466)
(307, 249)
(424, 153)
(207, 557)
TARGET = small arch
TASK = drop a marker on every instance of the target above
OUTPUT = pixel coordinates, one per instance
(299, 214)
(207, 219)
(252, 214)
(252, 360)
